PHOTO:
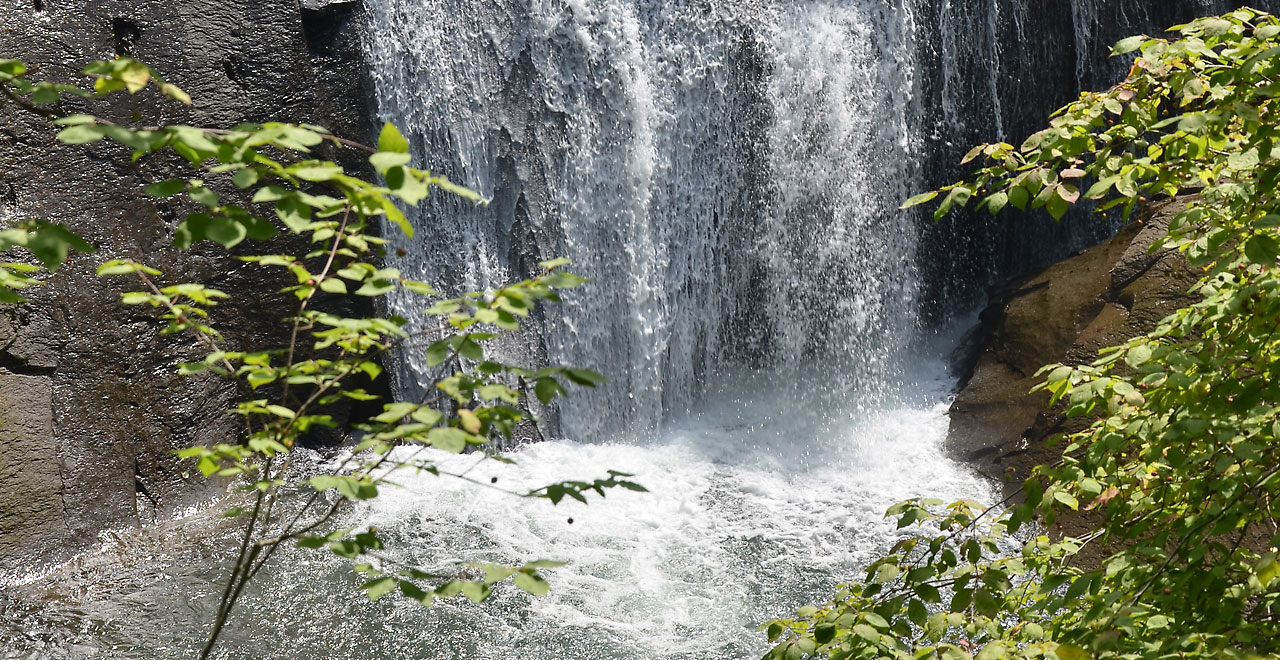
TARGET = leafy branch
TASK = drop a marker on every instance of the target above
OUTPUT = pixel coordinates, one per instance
(251, 183)
(1176, 462)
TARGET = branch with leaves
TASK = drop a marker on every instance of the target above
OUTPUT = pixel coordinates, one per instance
(277, 185)
(1178, 464)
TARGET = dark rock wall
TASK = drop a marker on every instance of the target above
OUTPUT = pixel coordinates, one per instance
(1044, 55)
(90, 403)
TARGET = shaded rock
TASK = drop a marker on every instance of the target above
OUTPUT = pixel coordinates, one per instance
(32, 517)
(97, 404)
(1065, 313)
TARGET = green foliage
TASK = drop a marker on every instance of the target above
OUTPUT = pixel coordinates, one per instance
(250, 183)
(1178, 465)
(48, 243)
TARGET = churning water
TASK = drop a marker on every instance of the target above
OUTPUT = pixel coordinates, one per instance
(761, 502)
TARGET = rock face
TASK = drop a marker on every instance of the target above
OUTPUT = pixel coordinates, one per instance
(1064, 313)
(91, 407)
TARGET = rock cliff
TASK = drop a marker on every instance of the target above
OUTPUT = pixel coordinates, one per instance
(91, 406)
(1064, 313)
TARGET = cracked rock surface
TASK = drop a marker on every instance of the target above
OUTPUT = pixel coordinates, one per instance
(91, 405)
(1065, 313)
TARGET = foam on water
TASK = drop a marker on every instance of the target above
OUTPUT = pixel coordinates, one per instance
(761, 501)
(758, 503)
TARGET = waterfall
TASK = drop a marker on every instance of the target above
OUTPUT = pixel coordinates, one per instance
(725, 172)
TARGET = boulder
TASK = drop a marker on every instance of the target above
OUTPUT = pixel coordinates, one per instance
(1065, 313)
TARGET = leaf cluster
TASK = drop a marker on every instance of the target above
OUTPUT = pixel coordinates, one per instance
(251, 183)
(1177, 464)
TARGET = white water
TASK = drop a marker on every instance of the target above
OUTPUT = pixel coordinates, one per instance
(759, 504)
(726, 172)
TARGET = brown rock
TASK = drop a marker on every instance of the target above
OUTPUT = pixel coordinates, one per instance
(1064, 313)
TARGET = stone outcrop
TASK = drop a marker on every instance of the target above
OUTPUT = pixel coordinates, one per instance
(1064, 313)
(91, 407)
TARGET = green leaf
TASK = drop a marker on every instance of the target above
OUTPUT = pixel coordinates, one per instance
(295, 214)
(917, 612)
(885, 573)
(245, 177)
(135, 76)
(75, 120)
(204, 196)
(1138, 355)
(1057, 206)
(1099, 190)
(470, 350)
(1128, 46)
(437, 353)
(1070, 652)
(391, 140)
(583, 377)
(13, 68)
(867, 632)
(1019, 197)
(176, 93)
(379, 587)
(333, 285)
(937, 627)
(316, 171)
(1243, 161)
(997, 202)
(1193, 122)
(451, 440)
(993, 651)
(1067, 499)
(986, 602)
(1262, 249)
(226, 232)
(973, 153)
(1216, 27)
(919, 199)
(45, 94)
(81, 134)
(532, 583)
(51, 243)
(167, 188)
(385, 160)
(547, 389)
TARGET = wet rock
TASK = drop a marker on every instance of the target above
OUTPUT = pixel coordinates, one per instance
(32, 517)
(92, 404)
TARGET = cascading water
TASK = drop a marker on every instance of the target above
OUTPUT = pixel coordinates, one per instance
(728, 175)
(727, 172)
